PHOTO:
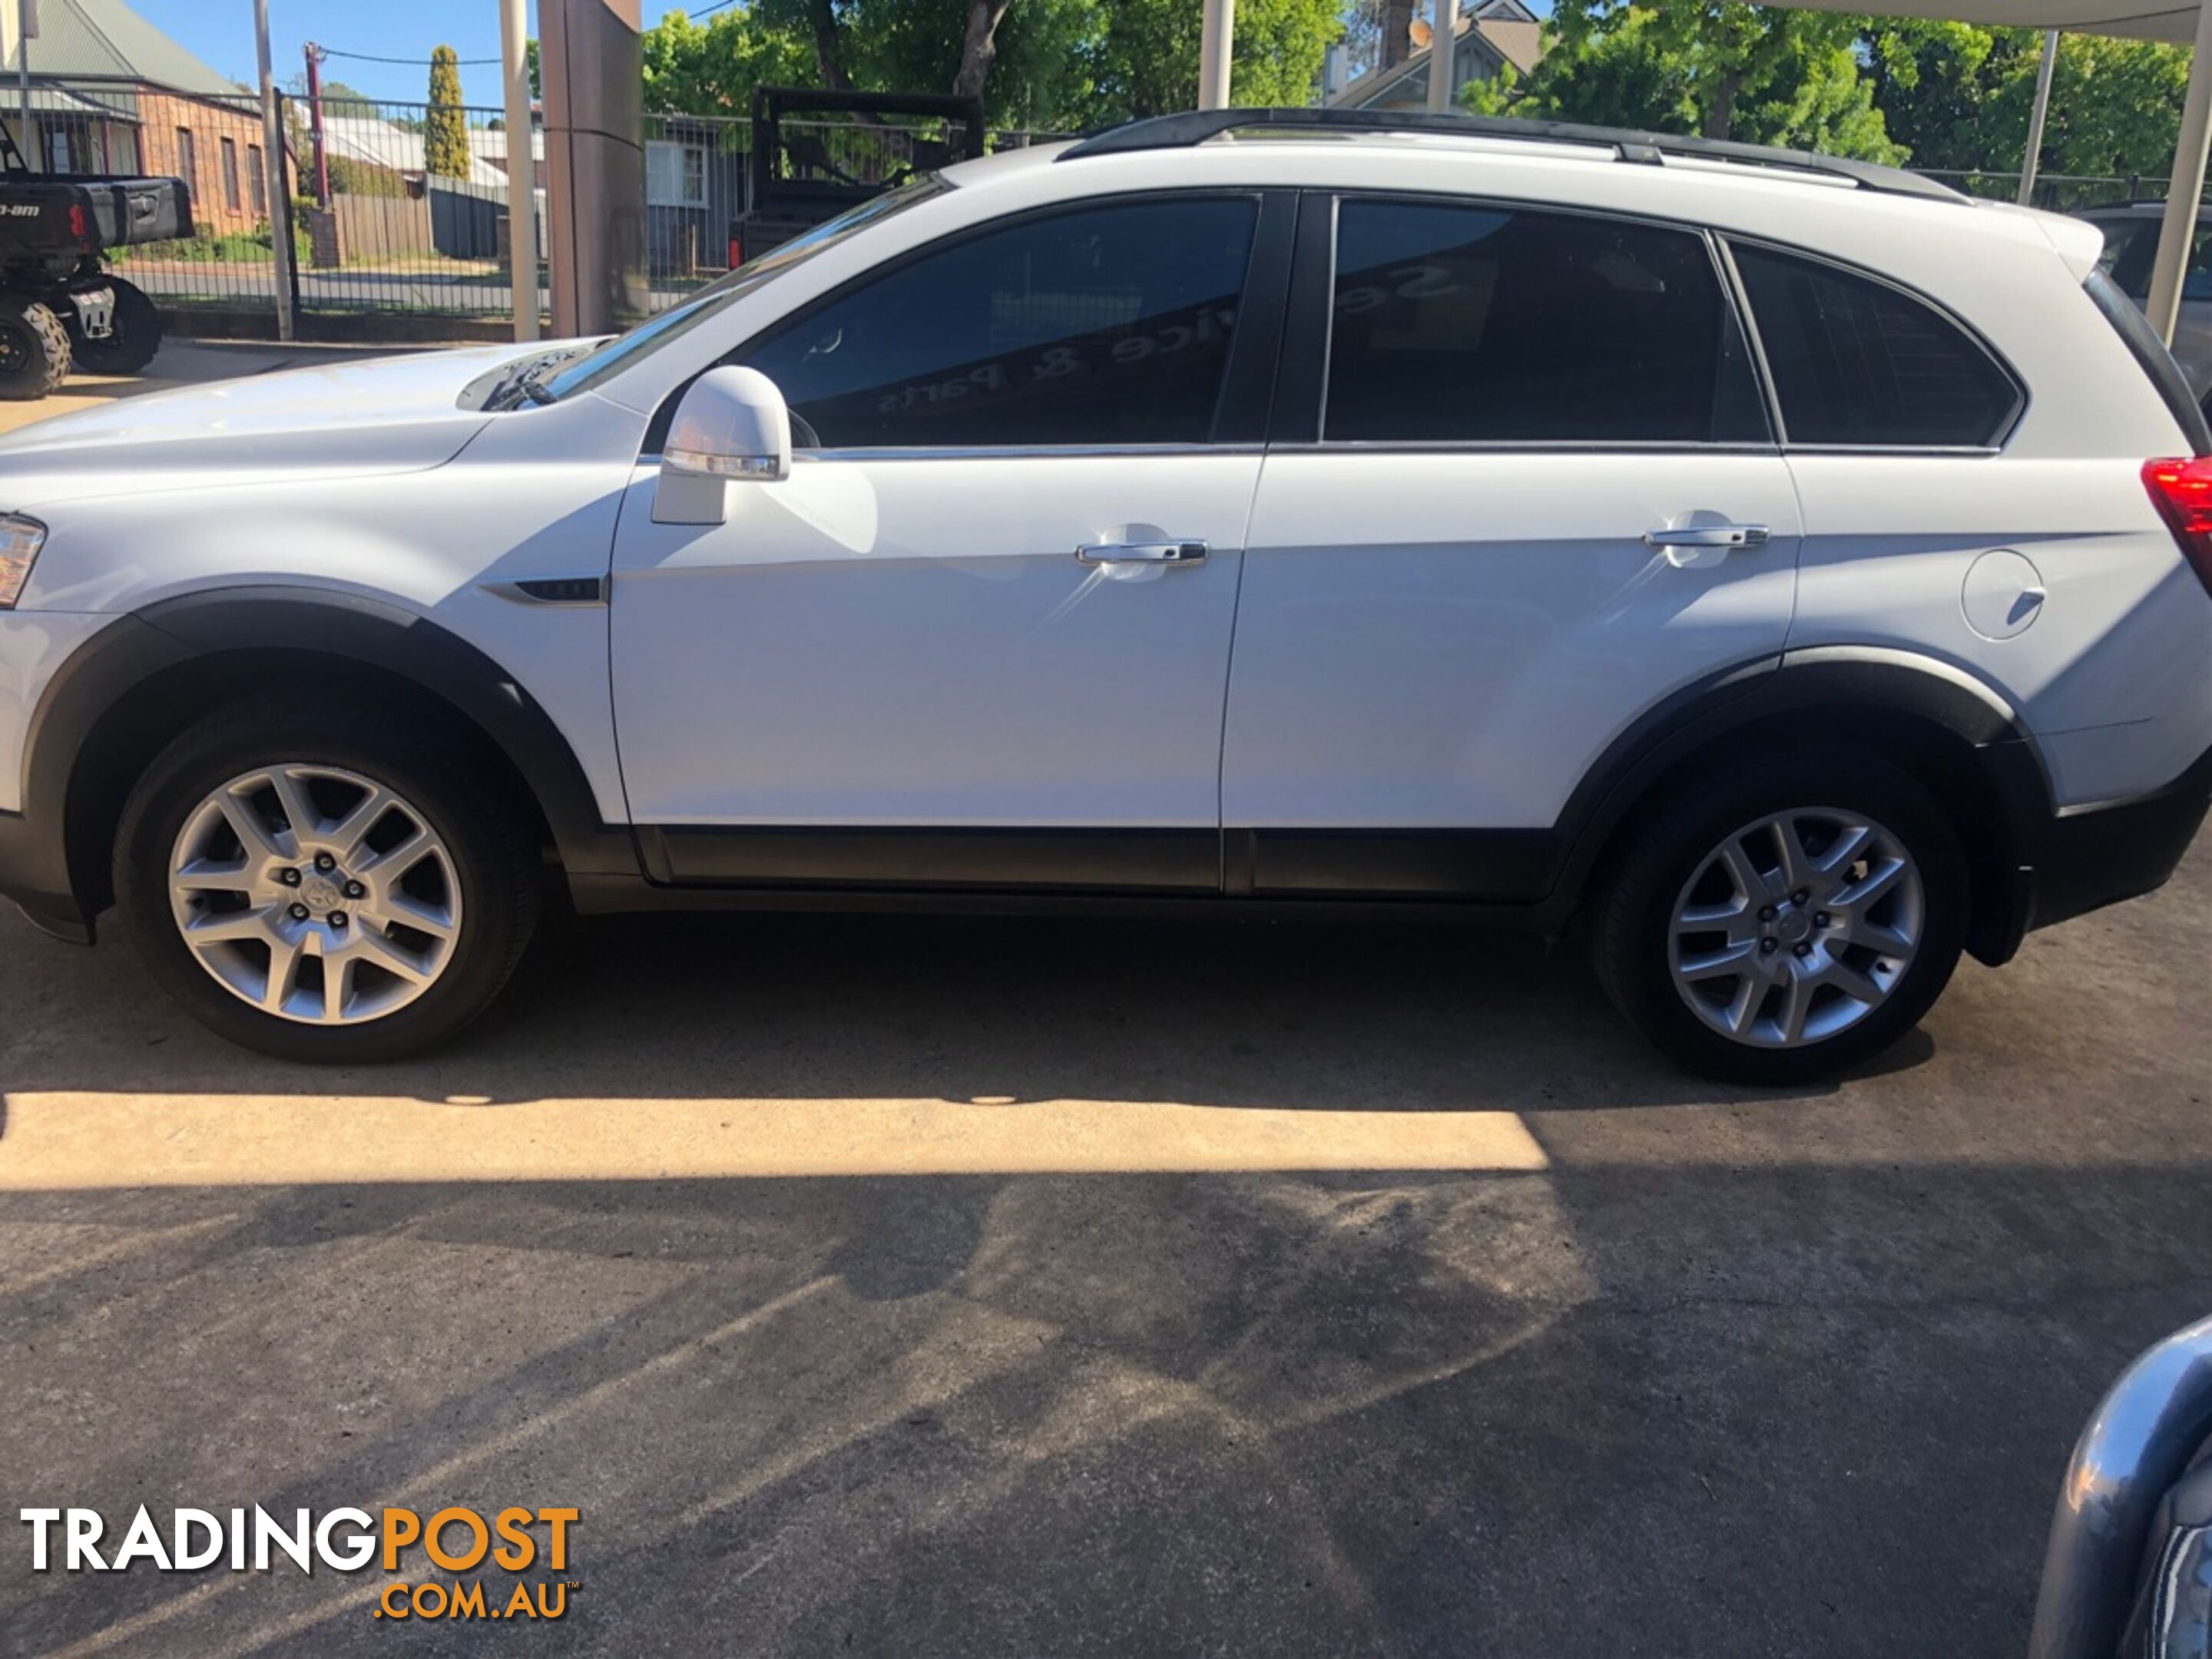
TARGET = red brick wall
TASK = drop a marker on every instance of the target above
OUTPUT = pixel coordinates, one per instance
(161, 115)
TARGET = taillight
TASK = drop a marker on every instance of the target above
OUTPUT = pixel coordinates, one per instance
(2182, 492)
(79, 227)
(736, 252)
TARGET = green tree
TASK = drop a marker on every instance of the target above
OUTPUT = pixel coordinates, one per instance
(1960, 97)
(1756, 74)
(444, 126)
(705, 69)
(1143, 59)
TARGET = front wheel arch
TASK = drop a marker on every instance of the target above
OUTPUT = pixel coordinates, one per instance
(136, 683)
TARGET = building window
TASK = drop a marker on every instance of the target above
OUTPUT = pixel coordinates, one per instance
(674, 175)
(188, 161)
(257, 180)
(123, 150)
(230, 175)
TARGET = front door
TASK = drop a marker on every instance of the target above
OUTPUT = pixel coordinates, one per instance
(981, 636)
(1541, 498)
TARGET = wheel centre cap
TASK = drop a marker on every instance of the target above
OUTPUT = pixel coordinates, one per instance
(318, 893)
(1795, 928)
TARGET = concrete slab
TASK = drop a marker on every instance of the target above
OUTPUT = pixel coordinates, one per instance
(923, 1287)
(182, 363)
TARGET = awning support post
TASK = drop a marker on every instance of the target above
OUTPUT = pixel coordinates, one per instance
(2177, 233)
(1216, 49)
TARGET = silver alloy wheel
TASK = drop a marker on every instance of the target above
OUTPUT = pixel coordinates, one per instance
(1796, 927)
(315, 894)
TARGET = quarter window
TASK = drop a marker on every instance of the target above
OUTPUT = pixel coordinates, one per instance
(1490, 325)
(1857, 362)
(1109, 325)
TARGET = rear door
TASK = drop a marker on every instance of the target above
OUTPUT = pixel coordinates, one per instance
(1528, 492)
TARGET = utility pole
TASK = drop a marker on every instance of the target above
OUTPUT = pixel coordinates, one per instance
(272, 161)
(522, 166)
(315, 122)
(1443, 54)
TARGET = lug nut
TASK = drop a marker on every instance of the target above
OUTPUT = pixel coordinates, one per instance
(338, 919)
(1766, 946)
(299, 913)
(324, 861)
(1804, 950)
(1766, 913)
(1820, 917)
(354, 890)
(289, 878)
(1800, 895)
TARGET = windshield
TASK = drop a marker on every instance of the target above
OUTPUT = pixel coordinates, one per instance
(620, 352)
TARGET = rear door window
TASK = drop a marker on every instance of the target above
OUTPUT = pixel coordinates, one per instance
(1469, 323)
(1859, 362)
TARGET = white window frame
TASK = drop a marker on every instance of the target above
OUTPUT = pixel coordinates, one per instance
(676, 159)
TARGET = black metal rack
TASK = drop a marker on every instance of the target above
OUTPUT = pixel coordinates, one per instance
(1649, 149)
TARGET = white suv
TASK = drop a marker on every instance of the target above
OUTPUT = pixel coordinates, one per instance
(1791, 570)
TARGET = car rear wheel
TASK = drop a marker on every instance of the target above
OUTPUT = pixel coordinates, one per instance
(1785, 922)
(322, 886)
(34, 348)
(134, 334)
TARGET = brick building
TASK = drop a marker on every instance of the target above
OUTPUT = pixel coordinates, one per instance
(110, 93)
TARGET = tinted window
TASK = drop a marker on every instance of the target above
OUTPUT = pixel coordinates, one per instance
(1480, 324)
(2131, 248)
(1857, 361)
(1110, 325)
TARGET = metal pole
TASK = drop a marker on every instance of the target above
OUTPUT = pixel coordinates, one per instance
(272, 162)
(2139, 1441)
(2177, 233)
(23, 78)
(1443, 52)
(2036, 118)
(315, 124)
(1215, 46)
(522, 167)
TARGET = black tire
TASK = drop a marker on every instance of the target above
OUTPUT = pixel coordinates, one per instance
(1664, 848)
(131, 342)
(495, 858)
(34, 348)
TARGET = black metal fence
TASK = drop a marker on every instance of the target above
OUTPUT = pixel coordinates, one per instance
(2059, 192)
(695, 169)
(404, 208)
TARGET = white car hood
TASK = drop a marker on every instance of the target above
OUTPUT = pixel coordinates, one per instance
(386, 415)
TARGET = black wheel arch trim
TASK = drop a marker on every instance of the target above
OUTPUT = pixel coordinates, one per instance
(173, 633)
(2009, 775)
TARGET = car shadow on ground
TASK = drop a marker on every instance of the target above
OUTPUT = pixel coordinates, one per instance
(1293, 1016)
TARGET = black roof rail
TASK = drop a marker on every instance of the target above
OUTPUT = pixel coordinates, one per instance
(1196, 127)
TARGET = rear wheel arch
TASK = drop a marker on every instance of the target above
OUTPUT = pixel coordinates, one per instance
(1952, 733)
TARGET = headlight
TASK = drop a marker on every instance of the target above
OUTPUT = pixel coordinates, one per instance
(21, 538)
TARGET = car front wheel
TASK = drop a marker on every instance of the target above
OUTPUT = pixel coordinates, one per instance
(322, 885)
(1785, 922)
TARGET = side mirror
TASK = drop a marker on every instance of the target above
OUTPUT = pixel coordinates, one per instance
(732, 425)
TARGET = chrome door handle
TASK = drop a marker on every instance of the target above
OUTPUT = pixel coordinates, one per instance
(1708, 535)
(1142, 553)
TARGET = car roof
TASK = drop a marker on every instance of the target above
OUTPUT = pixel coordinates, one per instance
(1811, 201)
